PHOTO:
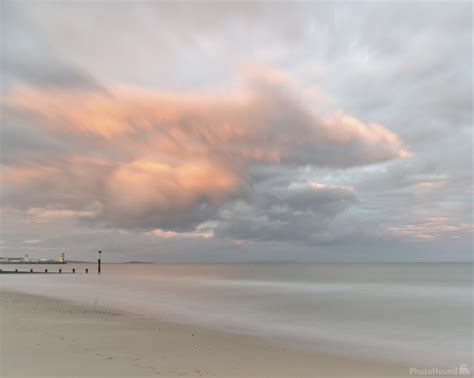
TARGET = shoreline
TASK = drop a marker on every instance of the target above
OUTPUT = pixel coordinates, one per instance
(42, 336)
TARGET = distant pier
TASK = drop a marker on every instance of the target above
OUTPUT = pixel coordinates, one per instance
(60, 260)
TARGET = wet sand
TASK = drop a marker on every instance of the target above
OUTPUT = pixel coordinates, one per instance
(47, 337)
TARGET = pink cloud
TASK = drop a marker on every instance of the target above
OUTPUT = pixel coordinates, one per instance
(161, 160)
(41, 215)
(431, 228)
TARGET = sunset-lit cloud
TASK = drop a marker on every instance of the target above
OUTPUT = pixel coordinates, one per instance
(264, 121)
(150, 159)
(172, 234)
(430, 185)
(45, 215)
(431, 229)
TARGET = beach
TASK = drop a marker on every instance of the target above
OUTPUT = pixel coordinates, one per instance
(48, 337)
(237, 320)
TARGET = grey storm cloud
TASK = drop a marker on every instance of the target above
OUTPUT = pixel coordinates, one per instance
(301, 212)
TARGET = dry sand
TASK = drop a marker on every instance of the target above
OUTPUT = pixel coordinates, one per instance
(45, 337)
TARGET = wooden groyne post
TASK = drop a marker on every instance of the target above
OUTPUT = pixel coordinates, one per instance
(98, 263)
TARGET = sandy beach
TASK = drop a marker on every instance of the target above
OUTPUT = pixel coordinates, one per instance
(46, 337)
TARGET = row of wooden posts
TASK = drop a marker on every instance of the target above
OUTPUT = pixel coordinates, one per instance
(46, 271)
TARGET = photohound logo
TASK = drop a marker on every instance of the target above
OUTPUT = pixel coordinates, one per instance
(462, 369)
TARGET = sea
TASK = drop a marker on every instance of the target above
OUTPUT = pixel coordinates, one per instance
(417, 314)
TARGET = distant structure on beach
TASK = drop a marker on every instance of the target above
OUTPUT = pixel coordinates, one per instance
(27, 260)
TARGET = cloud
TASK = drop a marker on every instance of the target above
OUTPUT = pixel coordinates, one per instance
(30, 59)
(249, 123)
(199, 233)
(431, 228)
(301, 212)
(46, 215)
(95, 99)
(47, 73)
(160, 160)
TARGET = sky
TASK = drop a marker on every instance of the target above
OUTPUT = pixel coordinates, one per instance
(229, 132)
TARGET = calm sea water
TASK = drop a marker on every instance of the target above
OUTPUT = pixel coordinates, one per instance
(419, 314)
